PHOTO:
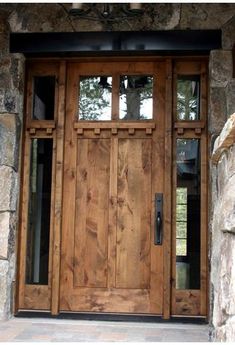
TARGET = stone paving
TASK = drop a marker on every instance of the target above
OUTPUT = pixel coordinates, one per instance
(55, 330)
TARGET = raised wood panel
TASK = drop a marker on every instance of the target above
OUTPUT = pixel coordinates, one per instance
(134, 214)
(187, 302)
(91, 218)
(107, 300)
(36, 297)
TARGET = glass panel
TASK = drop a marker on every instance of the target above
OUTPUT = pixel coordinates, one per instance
(136, 97)
(188, 97)
(39, 212)
(44, 98)
(95, 99)
(188, 214)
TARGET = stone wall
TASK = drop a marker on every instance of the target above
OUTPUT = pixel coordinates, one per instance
(54, 17)
(11, 101)
(223, 235)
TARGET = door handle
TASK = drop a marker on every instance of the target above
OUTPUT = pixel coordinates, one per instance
(158, 219)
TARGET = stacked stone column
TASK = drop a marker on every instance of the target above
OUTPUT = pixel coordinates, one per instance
(11, 101)
(222, 178)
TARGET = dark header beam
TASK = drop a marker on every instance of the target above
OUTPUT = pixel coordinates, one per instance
(121, 43)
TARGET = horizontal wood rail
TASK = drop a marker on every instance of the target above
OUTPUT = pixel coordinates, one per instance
(114, 126)
(196, 125)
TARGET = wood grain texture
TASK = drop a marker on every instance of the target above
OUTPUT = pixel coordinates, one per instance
(187, 302)
(168, 193)
(37, 297)
(134, 214)
(91, 219)
(107, 300)
(112, 230)
(56, 238)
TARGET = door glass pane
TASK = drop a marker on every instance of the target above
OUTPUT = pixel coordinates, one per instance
(188, 97)
(136, 97)
(44, 98)
(188, 214)
(95, 98)
(39, 212)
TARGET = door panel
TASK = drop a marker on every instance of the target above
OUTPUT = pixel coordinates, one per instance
(91, 215)
(109, 260)
(134, 214)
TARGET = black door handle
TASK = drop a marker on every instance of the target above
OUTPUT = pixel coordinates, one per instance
(158, 219)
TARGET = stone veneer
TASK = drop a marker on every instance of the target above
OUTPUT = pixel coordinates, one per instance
(223, 235)
(54, 17)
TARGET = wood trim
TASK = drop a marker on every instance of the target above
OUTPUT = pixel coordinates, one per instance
(167, 193)
(112, 228)
(113, 124)
(40, 124)
(24, 222)
(56, 242)
(115, 96)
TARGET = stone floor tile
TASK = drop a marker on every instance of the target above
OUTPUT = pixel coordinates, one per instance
(55, 330)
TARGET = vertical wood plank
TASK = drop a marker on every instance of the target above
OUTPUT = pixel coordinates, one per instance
(91, 218)
(157, 271)
(134, 214)
(69, 177)
(56, 238)
(167, 192)
(112, 232)
(24, 222)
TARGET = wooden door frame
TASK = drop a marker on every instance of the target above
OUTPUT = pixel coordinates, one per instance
(58, 135)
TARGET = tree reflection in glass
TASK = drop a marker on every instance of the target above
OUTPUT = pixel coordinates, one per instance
(136, 97)
(188, 97)
(95, 98)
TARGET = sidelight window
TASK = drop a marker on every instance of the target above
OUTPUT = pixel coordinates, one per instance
(39, 212)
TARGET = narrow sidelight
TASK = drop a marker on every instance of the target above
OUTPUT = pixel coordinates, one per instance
(188, 214)
(39, 212)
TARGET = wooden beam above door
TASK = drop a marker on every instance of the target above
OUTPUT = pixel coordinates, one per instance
(167, 42)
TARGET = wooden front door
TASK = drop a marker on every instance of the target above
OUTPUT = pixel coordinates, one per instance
(113, 170)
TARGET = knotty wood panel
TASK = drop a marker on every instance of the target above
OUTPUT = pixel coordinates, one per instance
(134, 214)
(107, 300)
(187, 302)
(36, 297)
(91, 219)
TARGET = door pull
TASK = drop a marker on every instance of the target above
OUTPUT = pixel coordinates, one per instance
(158, 219)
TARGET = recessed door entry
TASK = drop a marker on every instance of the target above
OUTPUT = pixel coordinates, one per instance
(109, 188)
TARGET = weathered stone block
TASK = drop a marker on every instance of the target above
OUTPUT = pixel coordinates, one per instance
(225, 140)
(217, 109)
(221, 67)
(9, 101)
(8, 188)
(4, 299)
(228, 34)
(9, 140)
(222, 173)
(4, 234)
(228, 207)
(230, 93)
